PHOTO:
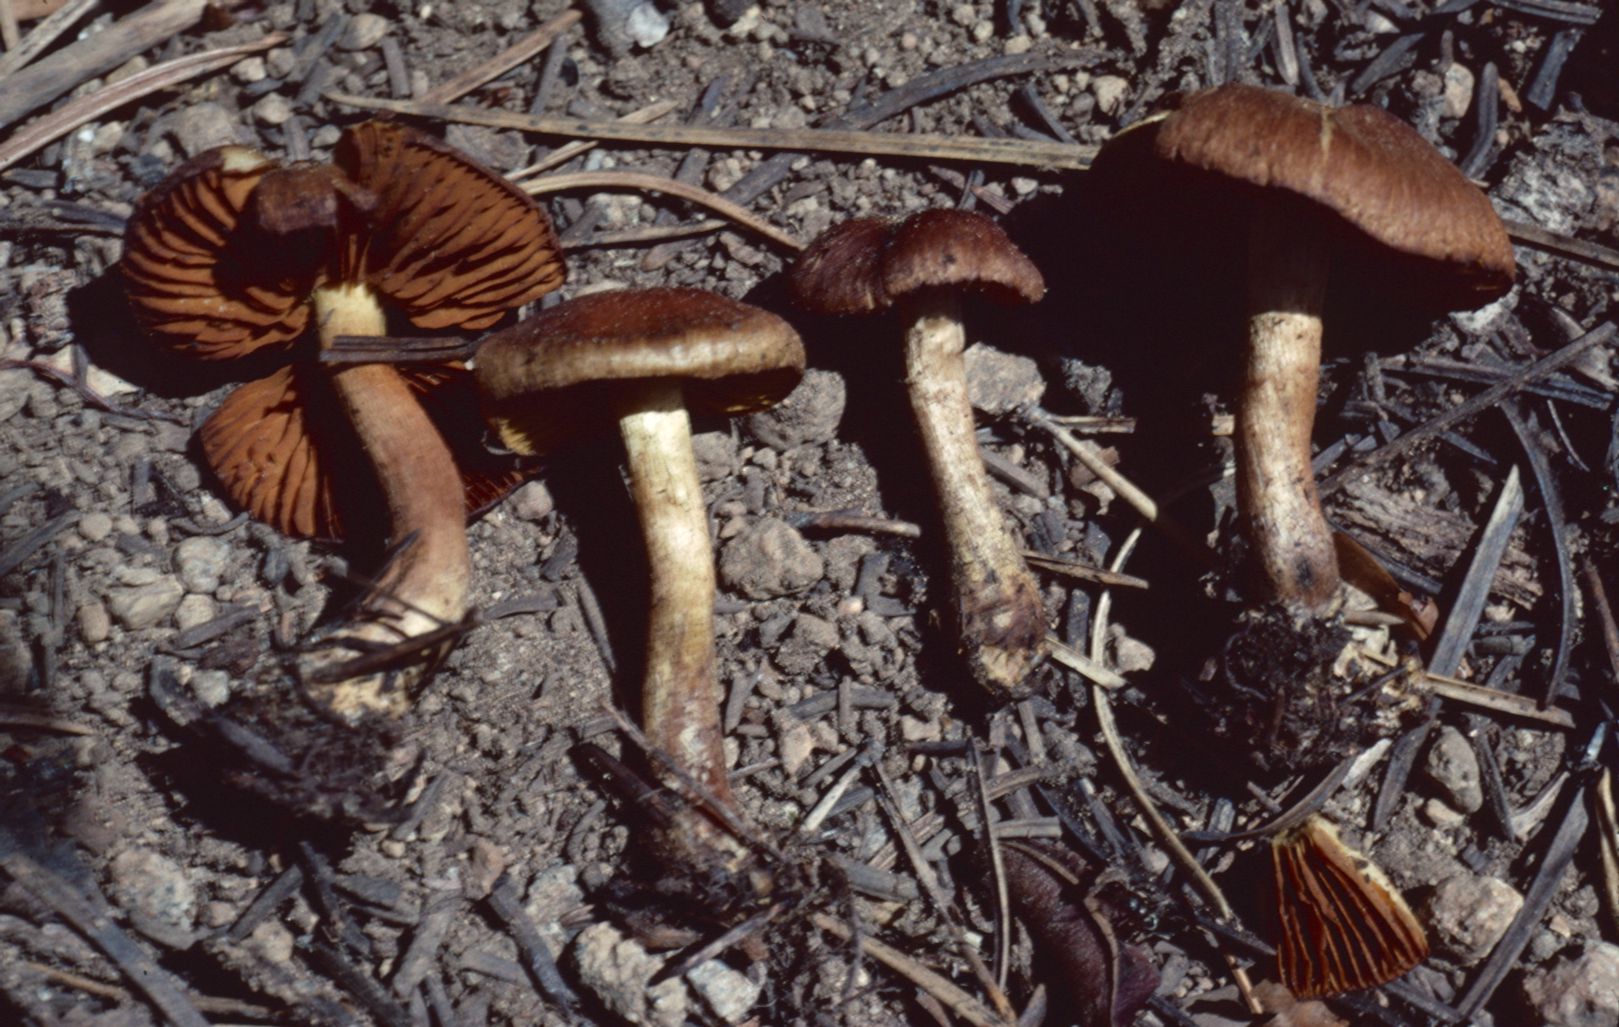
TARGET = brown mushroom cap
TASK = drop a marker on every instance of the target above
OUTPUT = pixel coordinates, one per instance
(1404, 205)
(864, 265)
(222, 258)
(731, 358)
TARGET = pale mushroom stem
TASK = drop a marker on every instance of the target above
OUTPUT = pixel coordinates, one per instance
(1287, 273)
(1000, 618)
(680, 702)
(426, 585)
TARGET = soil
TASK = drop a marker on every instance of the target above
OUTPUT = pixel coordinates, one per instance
(160, 768)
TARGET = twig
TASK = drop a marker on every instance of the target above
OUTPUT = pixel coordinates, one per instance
(1471, 694)
(1551, 502)
(1003, 901)
(958, 1001)
(487, 71)
(1610, 629)
(1082, 572)
(1562, 245)
(1486, 400)
(71, 115)
(67, 902)
(11, 716)
(919, 146)
(508, 906)
(1166, 835)
(640, 181)
(1082, 665)
(43, 35)
(97, 54)
(563, 154)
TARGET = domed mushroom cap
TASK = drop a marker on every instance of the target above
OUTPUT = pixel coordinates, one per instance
(862, 266)
(958, 249)
(1360, 165)
(176, 262)
(548, 375)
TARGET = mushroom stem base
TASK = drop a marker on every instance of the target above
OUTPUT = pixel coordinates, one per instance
(680, 698)
(1287, 272)
(425, 586)
(1000, 619)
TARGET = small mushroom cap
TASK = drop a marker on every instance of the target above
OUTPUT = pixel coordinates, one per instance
(552, 373)
(959, 249)
(1407, 206)
(862, 266)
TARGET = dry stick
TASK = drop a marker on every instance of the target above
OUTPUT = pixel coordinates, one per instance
(1608, 836)
(10, 35)
(95, 55)
(642, 181)
(563, 154)
(649, 234)
(43, 35)
(1086, 452)
(923, 146)
(958, 1001)
(132, 961)
(1171, 841)
(1489, 398)
(1551, 504)
(1610, 628)
(1003, 901)
(1562, 245)
(930, 884)
(523, 50)
(1457, 690)
(1082, 572)
(71, 115)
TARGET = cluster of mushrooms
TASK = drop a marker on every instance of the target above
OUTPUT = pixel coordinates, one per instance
(236, 258)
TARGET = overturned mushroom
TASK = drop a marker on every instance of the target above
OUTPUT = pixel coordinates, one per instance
(644, 359)
(1307, 192)
(923, 265)
(234, 255)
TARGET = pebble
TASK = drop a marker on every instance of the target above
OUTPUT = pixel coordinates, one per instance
(1469, 913)
(273, 109)
(769, 559)
(716, 454)
(94, 622)
(1109, 90)
(194, 610)
(646, 25)
(728, 993)
(1579, 992)
(153, 884)
(249, 70)
(95, 526)
(200, 561)
(1453, 766)
(211, 687)
(1458, 90)
(616, 969)
(810, 414)
(532, 502)
(203, 126)
(999, 382)
(364, 31)
(146, 605)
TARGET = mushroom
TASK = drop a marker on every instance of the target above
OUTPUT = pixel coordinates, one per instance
(1309, 192)
(234, 255)
(923, 265)
(642, 359)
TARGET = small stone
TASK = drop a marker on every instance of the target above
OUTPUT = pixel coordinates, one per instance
(532, 502)
(194, 610)
(273, 109)
(795, 742)
(553, 893)
(211, 687)
(202, 127)
(151, 883)
(364, 31)
(272, 942)
(200, 561)
(94, 623)
(1442, 816)
(1469, 913)
(1453, 766)
(1458, 90)
(144, 605)
(1582, 992)
(769, 559)
(809, 415)
(646, 25)
(728, 993)
(1019, 43)
(999, 383)
(915, 729)
(249, 70)
(716, 454)
(616, 970)
(1109, 91)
